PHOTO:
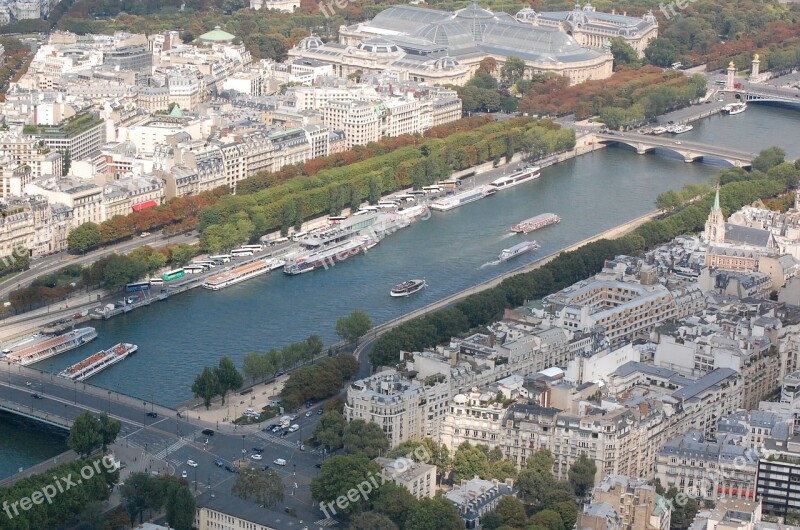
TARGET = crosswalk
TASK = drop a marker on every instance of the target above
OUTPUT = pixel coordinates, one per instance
(327, 522)
(171, 449)
(276, 440)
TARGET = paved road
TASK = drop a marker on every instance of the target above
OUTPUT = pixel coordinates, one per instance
(671, 142)
(54, 262)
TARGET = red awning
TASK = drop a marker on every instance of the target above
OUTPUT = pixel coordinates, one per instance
(751, 494)
(143, 205)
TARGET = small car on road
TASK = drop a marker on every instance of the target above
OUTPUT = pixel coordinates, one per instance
(191, 463)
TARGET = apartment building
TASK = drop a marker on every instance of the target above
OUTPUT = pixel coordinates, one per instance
(779, 475)
(84, 199)
(623, 311)
(78, 136)
(13, 178)
(476, 497)
(405, 409)
(707, 470)
(474, 417)
(628, 504)
(418, 478)
(16, 231)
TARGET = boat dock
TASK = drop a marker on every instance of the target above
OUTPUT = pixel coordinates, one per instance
(238, 274)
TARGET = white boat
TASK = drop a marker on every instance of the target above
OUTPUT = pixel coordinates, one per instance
(535, 223)
(735, 108)
(328, 256)
(237, 274)
(48, 346)
(98, 362)
(407, 288)
(680, 129)
(460, 199)
(516, 250)
(518, 177)
(659, 130)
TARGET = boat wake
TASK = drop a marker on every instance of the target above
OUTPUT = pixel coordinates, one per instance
(507, 235)
(490, 264)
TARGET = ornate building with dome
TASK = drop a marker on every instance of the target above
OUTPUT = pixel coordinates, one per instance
(439, 47)
(594, 29)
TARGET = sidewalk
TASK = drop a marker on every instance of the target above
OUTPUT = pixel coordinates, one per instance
(235, 404)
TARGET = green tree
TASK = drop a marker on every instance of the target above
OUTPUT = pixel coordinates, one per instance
(511, 512)
(109, 429)
(547, 519)
(84, 237)
(513, 69)
(624, 54)
(568, 510)
(329, 431)
(341, 474)
(434, 514)
(541, 461)
(91, 516)
(180, 507)
(254, 366)
(314, 346)
(374, 190)
(660, 52)
(668, 200)
(393, 501)
(84, 435)
(769, 158)
(260, 486)
(372, 521)
(684, 509)
(206, 386)
(469, 462)
(581, 475)
(228, 377)
(351, 328)
(364, 438)
(66, 162)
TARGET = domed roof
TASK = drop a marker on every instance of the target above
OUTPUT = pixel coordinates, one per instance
(217, 35)
(379, 45)
(474, 11)
(526, 14)
(446, 63)
(311, 43)
(450, 34)
(460, 399)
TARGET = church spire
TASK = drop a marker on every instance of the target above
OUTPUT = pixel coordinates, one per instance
(716, 200)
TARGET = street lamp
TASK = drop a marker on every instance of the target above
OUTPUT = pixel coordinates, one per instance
(144, 413)
(243, 446)
(195, 479)
(76, 391)
(109, 401)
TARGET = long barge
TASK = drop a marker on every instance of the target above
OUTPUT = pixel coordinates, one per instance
(237, 274)
(460, 199)
(48, 346)
(329, 256)
(98, 362)
(535, 223)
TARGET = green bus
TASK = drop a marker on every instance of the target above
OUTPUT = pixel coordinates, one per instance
(174, 275)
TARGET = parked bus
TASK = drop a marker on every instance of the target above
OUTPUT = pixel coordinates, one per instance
(336, 219)
(136, 287)
(255, 248)
(432, 189)
(156, 281)
(194, 269)
(207, 263)
(298, 235)
(174, 275)
(239, 252)
(224, 258)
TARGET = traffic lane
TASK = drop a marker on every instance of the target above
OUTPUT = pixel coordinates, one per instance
(58, 260)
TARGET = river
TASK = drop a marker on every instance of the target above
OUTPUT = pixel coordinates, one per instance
(452, 251)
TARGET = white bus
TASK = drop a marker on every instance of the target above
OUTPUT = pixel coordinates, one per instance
(368, 209)
(257, 247)
(432, 189)
(298, 235)
(239, 252)
(224, 258)
(336, 219)
(194, 269)
(207, 263)
(156, 281)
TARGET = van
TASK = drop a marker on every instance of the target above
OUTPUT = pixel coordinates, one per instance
(294, 428)
(279, 462)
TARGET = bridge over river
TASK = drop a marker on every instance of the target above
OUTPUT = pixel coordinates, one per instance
(689, 151)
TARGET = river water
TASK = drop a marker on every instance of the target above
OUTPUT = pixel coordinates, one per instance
(452, 251)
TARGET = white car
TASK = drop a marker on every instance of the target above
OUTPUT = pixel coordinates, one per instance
(308, 414)
(184, 474)
(191, 463)
(255, 456)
